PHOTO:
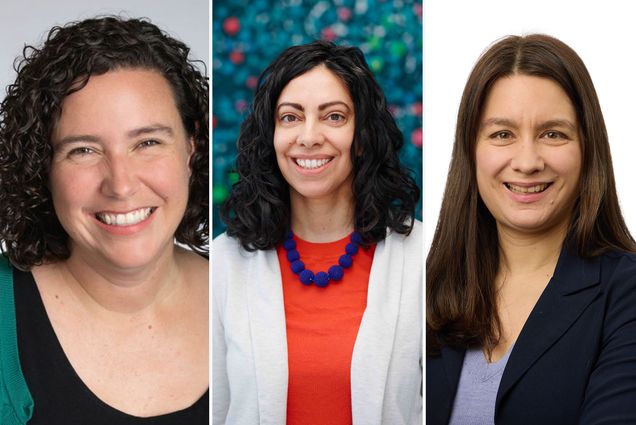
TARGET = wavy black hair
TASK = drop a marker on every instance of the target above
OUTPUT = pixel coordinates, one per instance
(29, 229)
(257, 211)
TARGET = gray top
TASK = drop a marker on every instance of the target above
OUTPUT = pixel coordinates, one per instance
(477, 389)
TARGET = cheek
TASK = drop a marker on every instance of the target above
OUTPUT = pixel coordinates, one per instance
(70, 187)
(167, 176)
(568, 164)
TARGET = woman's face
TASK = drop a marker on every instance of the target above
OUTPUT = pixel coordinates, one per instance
(119, 174)
(528, 154)
(314, 128)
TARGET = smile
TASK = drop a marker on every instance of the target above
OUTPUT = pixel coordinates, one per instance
(312, 164)
(528, 189)
(127, 219)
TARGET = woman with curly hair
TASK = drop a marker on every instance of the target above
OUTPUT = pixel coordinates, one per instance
(317, 312)
(103, 165)
(531, 275)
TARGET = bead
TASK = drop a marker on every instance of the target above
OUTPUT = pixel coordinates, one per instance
(306, 276)
(293, 255)
(351, 249)
(297, 266)
(345, 261)
(289, 244)
(336, 273)
(321, 279)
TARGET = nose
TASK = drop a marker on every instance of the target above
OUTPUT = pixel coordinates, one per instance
(310, 134)
(120, 180)
(527, 158)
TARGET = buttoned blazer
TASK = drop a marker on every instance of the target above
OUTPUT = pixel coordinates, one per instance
(574, 361)
(249, 371)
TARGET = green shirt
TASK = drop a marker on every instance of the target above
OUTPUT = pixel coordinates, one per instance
(16, 404)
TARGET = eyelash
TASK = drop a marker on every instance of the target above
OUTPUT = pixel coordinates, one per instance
(81, 151)
(148, 143)
(507, 134)
(289, 118)
(498, 134)
(558, 135)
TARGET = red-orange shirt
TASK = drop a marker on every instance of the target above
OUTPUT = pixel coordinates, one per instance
(322, 325)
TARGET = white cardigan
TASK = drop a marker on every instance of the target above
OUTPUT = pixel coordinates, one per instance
(249, 351)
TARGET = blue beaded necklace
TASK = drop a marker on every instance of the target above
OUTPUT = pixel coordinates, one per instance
(322, 279)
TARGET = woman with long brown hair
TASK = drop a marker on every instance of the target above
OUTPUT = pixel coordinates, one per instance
(531, 275)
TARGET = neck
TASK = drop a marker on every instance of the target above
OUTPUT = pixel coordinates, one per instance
(121, 291)
(322, 220)
(523, 253)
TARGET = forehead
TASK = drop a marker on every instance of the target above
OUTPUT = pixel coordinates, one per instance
(120, 99)
(316, 86)
(524, 97)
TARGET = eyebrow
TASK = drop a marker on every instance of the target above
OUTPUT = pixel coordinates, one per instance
(321, 107)
(547, 124)
(155, 128)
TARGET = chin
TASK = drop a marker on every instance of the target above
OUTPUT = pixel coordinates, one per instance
(136, 257)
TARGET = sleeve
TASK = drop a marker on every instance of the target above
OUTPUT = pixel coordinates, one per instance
(611, 392)
(220, 382)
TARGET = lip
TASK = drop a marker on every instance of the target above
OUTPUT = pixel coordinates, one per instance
(528, 197)
(125, 229)
(313, 171)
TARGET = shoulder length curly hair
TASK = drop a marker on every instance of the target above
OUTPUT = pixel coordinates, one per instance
(464, 255)
(257, 212)
(29, 229)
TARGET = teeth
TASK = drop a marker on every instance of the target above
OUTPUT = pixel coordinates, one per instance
(310, 164)
(127, 219)
(531, 189)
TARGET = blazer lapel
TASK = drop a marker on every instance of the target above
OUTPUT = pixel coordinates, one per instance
(374, 343)
(572, 288)
(269, 338)
(453, 359)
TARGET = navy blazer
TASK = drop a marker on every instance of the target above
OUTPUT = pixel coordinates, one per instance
(574, 361)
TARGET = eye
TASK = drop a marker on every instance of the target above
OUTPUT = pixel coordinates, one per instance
(336, 117)
(288, 118)
(553, 134)
(501, 135)
(81, 151)
(148, 143)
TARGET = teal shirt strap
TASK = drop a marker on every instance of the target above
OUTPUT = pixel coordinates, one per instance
(16, 403)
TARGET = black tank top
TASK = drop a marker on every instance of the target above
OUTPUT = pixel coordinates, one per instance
(59, 395)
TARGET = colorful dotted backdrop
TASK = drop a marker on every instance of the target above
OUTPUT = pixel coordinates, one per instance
(249, 34)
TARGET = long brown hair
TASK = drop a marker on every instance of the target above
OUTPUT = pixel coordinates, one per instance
(464, 255)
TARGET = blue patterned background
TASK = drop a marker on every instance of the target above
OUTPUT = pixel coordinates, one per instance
(248, 35)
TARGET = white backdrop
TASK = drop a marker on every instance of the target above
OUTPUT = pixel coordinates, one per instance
(28, 22)
(456, 32)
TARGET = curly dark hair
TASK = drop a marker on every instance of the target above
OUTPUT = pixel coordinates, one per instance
(257, 211)
(29, 229)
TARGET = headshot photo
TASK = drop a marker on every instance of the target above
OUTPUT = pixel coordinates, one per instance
(318, 275)
(531, 265)
(104, 230)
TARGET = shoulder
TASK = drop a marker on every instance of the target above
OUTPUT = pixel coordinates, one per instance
(412, 243)
(618, 271)
(231, 262)
(228, 245)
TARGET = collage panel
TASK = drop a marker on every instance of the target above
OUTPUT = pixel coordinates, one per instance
(530, 268)
(104, 217)
(317, 268)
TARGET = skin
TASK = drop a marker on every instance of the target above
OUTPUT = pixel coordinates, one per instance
(315, 120)
(129, 308)
(528, 166)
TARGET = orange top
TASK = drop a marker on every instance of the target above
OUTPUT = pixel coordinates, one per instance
(322, 325)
